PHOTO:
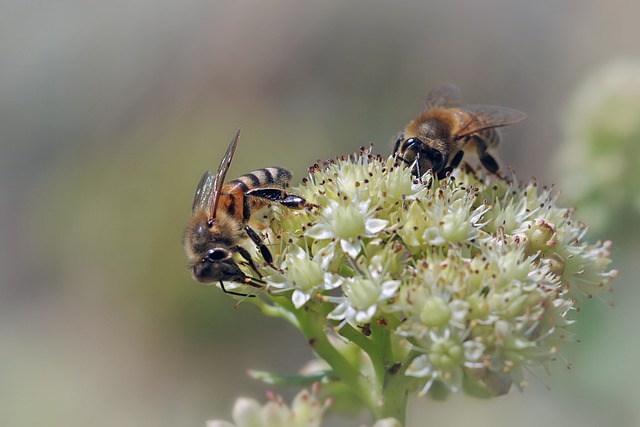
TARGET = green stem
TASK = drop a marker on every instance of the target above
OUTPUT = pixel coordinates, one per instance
(358, 338)
(391, 383)
(386, 395)
(312, 325)
(395, 395)
(394, 385)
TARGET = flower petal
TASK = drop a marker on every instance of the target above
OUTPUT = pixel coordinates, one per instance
(247, 412)
(320, 231)
(299, 298)
(351, 248)
(375, 225)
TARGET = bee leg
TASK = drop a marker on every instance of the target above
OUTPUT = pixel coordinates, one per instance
(247, 257)
(489, 163)
(234, 293)
(264, 251)
(399, 140)
(455, 162)
(486, 159)
(294, 202)
(443, 172)
(280, 196)
(396, 147)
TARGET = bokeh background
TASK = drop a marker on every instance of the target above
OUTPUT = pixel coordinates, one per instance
(110, 111)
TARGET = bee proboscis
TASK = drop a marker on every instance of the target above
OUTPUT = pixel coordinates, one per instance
(447, 128)
(219, 217)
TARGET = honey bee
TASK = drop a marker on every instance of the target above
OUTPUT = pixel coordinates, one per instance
(219, 217)
(447, 128)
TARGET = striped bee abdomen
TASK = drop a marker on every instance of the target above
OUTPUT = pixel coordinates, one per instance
(265, 177)
(234, 197)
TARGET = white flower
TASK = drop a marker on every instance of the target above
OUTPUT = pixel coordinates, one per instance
(443, 360)
(305, 276)
(361, 298)
(347, 223)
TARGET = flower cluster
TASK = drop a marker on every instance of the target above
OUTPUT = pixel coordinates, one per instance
(306, 410)
(471, 279)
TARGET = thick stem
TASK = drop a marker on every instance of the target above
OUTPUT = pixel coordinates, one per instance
(358, 338)
(312, 325)
(391, 383)
(394, 385)
(395, 396)
(386, 395)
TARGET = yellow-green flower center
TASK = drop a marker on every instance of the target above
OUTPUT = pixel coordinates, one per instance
(347, 222)
(305, 274)
(435, 312)
(446, 354)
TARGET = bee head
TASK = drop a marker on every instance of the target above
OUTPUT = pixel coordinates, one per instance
(217, 265)
(426, 156)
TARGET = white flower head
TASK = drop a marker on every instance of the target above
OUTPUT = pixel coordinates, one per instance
(443, 360)
(347, 223)
(474, 278)
(362, 297)
(303, 275)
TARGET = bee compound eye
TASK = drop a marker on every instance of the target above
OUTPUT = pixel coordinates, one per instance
(413, 142)
(217, 254)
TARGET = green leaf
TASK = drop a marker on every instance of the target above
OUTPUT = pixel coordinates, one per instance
(297, 380)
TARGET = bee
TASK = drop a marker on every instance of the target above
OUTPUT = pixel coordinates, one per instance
(219, 217)
(447, 128)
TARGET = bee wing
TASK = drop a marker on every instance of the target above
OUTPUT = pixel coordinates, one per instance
(218, 179)
(443, 95)
(487, 116)
(203, 191)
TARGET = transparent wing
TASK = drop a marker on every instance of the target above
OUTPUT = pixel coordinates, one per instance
(443, 95)
(218, 179)
(481, 117)
(203, 191)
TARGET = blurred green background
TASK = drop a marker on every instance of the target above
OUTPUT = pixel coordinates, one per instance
(110, 112)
